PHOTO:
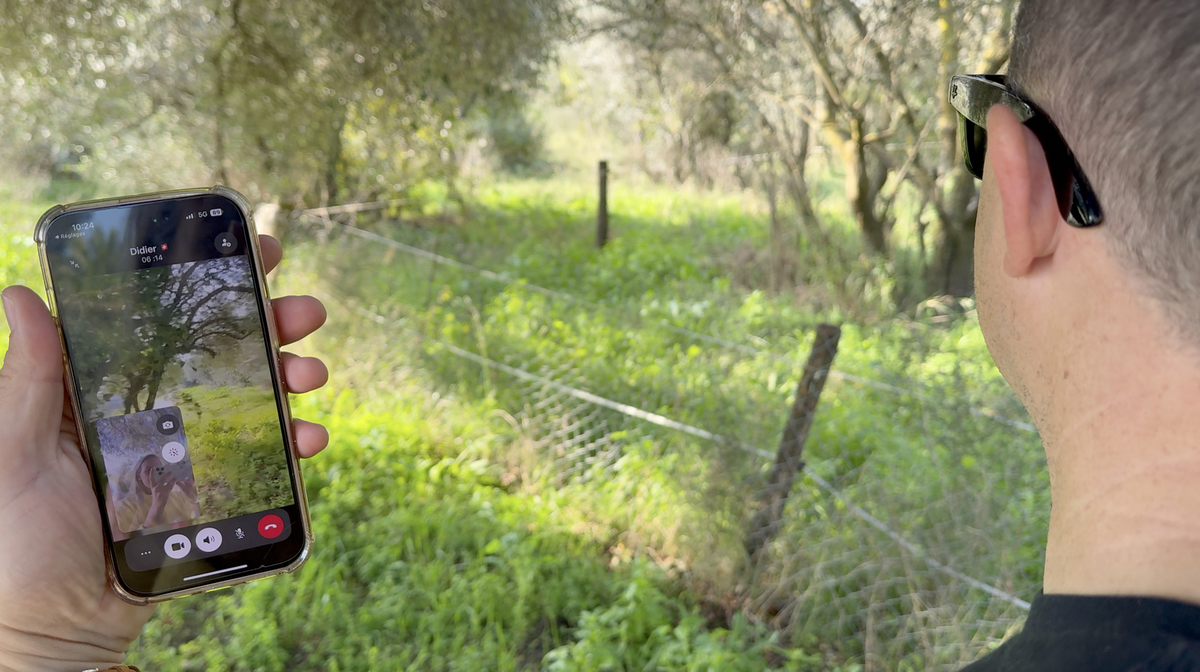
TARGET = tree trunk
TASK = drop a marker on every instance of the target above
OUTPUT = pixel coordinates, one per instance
(953, 269)
(219, 130)
(152, 389)
(133, 390)
(795, 159)
(860, 194)
(852, 152)
(789, 461)
(778, 245)
(952, 272)
(333, 160)
(849, 141)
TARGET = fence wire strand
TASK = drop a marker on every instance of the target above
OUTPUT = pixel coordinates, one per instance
(707, 338)
(910, 542)
(661, 421)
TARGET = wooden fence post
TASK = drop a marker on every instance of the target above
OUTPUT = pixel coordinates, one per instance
(602, 211)
(766, 522)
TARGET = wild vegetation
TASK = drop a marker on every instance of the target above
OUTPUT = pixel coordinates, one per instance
(228, 428)
(433, 509)
(939, 451)
(774, 165)
(763, 95)
(313, 103)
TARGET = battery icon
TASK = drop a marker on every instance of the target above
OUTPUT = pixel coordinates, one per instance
(216, 212)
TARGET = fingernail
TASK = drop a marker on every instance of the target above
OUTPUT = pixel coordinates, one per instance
(10, 312)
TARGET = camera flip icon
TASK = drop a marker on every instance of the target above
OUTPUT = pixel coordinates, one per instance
(168, 424)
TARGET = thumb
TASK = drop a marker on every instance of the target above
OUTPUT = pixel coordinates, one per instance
(31, 381)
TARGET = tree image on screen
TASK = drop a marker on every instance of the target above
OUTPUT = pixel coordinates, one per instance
(185, 336)
(169, 315)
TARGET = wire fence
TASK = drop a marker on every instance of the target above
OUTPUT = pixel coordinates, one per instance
(911, 541)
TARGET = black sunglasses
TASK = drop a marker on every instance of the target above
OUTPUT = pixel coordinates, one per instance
(975, 95)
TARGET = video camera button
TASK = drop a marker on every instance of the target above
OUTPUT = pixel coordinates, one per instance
(177, 546)
(208, 540)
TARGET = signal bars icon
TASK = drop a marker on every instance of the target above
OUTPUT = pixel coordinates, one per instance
(215, 212)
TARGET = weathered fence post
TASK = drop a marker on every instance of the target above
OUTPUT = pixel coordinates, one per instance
(602, 212)
(766, 522)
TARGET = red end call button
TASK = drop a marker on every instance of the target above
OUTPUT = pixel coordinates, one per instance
(270, 526)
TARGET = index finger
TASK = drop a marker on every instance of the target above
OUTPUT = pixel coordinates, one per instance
(272, 252)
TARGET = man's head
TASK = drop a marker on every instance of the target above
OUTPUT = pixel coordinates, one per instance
(1098, 328)
(1121, 80)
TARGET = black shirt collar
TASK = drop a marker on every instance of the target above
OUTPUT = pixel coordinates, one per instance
(1114, 615)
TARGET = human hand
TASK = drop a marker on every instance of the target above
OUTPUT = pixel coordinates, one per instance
(188, 486)
(57, 610)
(160, 494)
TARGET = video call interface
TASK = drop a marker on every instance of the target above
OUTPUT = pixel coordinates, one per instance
(174, 379)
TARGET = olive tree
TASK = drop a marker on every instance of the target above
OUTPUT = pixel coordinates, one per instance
(310, 100)
(863, 82)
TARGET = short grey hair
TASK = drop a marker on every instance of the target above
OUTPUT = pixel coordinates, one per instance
(1121, 80)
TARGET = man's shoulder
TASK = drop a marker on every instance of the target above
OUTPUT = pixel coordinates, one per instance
(1121, 634)
(1099, 653)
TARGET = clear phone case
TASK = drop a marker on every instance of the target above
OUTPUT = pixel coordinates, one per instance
(263, 296)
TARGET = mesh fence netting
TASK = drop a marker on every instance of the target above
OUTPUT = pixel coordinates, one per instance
(911, 539)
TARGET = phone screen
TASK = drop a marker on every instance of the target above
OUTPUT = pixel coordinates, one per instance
(171, 358)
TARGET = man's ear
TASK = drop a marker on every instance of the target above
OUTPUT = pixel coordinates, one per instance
(1027, 199)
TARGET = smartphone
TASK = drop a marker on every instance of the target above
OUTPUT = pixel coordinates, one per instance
(174, 375)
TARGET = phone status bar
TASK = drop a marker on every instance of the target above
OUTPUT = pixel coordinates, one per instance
(127, 238)
(203, 214)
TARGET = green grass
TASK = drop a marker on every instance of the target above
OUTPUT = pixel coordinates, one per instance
(425, 561)
(448, 537)
(234, 437)
(949, 480)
